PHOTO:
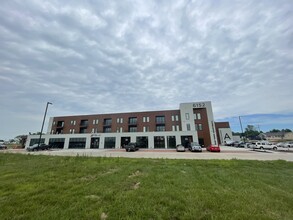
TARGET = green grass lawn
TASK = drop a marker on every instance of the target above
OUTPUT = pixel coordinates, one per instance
(51, 187)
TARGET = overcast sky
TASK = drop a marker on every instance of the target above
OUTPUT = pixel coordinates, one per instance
(90, 57)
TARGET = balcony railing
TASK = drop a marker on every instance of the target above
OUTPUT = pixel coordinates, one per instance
(60, 125)
(84, 124)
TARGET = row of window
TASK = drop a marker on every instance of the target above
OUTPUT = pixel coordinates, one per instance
(196, 116)
(120, 129)
(108, 121)
(198, 127)
(110, 142)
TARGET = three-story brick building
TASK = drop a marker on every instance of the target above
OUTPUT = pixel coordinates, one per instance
(192, 122)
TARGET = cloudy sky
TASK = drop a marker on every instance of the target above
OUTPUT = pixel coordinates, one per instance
(91, 57)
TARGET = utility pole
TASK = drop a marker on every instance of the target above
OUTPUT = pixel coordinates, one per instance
(48, 103)
(241, 126)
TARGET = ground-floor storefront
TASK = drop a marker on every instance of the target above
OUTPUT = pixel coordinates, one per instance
(149, 140)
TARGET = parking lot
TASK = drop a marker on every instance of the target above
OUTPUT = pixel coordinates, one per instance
(226, 153)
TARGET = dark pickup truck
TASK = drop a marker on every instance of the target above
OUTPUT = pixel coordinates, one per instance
(131, 147)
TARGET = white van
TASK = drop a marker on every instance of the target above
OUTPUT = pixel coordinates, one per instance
(263, 145)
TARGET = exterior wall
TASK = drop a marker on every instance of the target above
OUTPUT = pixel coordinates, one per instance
(117, 136)
(99, 127)
(208, 133)
(224, 132)
(50, 124)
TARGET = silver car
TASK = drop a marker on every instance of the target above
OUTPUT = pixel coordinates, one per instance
(180, 148)
(195, 147)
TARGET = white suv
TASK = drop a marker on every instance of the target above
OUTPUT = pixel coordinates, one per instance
(263, 145)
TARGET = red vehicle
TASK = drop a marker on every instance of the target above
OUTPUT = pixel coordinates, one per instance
(213, 148)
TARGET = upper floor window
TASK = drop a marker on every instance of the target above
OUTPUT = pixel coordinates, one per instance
(198, 127)
(187, 116)
(175, 118)
(82, 130)
(160, 128)
(107, 130)
(133, 120)
(84, 122)
(146, 119)
(107, 121)
(120, 120)
(198, 116)
(160, 119)
(132, 129)
(60, 124)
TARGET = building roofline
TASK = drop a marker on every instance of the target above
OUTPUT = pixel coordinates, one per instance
(116, 113)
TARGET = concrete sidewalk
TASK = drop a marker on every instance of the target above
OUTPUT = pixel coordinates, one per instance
(226, 153)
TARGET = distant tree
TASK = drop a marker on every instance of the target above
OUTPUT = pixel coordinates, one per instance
(236, 133)
(22, 139)
(283, 130)
(251, 132)
(35, 133)
(274, 130)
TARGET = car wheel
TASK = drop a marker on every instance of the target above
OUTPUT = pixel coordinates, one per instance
(274, 148)
(261, 148)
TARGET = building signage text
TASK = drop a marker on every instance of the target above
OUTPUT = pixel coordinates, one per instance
(199, 105)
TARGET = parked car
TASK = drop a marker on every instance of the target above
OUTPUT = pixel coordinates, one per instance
(229, 143)
(286, 144)
(263, 145)
(195, 147)
(281, 144)
(213, 148)
(243, 144)
(132, 146)
(3, 147)
(180, 148)
(37, 147)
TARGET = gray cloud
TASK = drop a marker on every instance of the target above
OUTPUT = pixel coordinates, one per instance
(97, 57)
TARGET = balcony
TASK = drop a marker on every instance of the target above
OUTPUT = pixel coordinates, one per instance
(132, 121)
(107, 122)
(160, 120)
(60, 124)
(84, 123)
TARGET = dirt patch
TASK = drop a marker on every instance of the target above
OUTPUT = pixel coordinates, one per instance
(104, 216)
(93, 197)
(136, 173)
(136, 186)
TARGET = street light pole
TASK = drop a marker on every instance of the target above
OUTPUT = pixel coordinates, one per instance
(241, 125)
(48, 103)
